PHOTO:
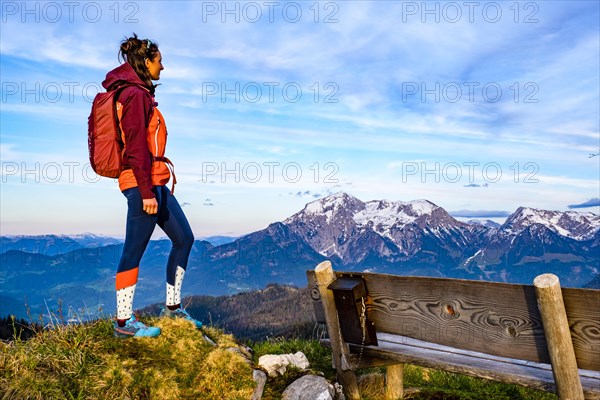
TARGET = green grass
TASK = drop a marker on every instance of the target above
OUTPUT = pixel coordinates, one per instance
(432, 384)
(318, 356)
(87, 362)
(439, 385)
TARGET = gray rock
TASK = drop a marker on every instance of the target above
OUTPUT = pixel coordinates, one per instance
(309, 387)
(260, 378)
(242, 352)
(277, 364)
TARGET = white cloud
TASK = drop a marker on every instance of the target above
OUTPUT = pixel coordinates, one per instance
(370, 53)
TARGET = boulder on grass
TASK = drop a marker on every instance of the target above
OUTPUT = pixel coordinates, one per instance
(309, 387)
(278, 364)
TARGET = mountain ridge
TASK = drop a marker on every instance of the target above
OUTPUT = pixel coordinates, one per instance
(402, 238)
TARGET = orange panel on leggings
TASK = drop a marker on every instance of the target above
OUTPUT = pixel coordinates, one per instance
(127, 278)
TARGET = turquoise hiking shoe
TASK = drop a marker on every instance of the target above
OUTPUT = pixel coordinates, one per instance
(179, 313)
(134, 328)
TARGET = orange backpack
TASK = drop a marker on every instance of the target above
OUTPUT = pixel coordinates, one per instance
(104, 135)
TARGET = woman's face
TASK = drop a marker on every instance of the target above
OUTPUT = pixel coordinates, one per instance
(155, 66)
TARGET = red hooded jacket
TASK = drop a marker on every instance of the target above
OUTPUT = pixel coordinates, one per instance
(143, 131)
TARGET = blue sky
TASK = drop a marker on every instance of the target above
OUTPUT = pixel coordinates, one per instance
(479, 107)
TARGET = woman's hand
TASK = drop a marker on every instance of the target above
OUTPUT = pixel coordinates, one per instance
(150, 206)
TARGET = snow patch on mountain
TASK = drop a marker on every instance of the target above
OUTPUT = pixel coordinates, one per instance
(329, 207)
(382, 215)
(572, 224)
(421, 233)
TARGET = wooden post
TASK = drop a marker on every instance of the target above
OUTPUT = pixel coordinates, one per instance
(394, 382)
(558, 337)
(325, 276)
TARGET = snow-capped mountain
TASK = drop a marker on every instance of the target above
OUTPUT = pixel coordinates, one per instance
(381, 232)
(421, 237)
(403, 238)
(487, 223)
(540, 240)
(571, 224)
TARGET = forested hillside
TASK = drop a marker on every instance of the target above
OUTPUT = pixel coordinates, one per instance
(276, 311)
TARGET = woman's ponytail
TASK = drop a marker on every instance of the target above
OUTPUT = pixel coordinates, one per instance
(135, 51)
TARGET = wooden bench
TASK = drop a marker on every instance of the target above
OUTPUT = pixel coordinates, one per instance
(539, 336)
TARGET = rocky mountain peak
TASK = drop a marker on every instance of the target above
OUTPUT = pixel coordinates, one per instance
(342, 225)
(385, 214)
(331, 205)
(578, 226)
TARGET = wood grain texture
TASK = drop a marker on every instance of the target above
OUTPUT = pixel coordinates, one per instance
(583, 312)
(324, 277)
(558, 336)
(436, 317)
(402, 349)
(485, 329)
(394, 382)
(315, 296)
(489, 317)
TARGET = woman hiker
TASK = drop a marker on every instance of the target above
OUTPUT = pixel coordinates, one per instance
(143, 182)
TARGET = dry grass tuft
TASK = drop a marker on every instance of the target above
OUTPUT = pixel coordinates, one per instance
(87, 362)
(371, 385)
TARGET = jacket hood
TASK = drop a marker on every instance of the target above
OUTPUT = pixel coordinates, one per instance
(124, 73)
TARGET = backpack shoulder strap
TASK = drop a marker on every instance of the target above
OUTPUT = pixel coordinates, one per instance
(120, 88)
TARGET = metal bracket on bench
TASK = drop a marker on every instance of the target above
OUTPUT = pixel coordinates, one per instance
(350, 294)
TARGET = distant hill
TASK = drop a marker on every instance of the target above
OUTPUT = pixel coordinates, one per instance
(8, 305)
(415, 238)
(52, 245)
(218, 240)
(594, 283)
(80, 284)
(487, 223)
(276, 311)
(11, 328)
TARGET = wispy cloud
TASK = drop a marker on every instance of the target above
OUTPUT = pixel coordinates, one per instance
(475, 185)
(595, 202)
(305, 193)
(408, 91)
(480, 214)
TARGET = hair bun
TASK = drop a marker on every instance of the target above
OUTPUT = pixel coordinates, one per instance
(132, 44)
(126, 46)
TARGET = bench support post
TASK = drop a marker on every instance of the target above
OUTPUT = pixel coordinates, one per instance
(394, 382)
(558, 337)
(347, 378)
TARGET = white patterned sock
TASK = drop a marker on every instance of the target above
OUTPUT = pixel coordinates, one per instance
(170, 295)
(174, 291)
(125, 302)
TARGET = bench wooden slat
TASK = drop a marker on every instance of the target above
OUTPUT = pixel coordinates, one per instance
(499, 320)
(485, 329)
(489, 317)
(583, 312)
(402, 349)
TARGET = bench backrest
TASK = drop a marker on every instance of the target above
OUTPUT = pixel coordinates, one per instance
(488, 317)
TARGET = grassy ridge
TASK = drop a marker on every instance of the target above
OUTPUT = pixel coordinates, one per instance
(87, 362)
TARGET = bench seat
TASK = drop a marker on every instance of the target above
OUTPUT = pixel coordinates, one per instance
(540, 336)
(402, 349)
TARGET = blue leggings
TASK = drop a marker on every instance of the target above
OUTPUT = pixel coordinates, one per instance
(140, 225)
